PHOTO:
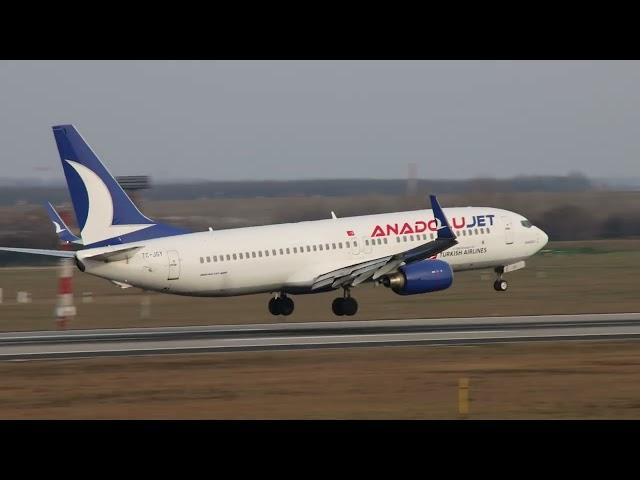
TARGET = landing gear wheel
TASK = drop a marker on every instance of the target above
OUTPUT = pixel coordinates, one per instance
(281, 306)
(337, 305)
(273, 306)
(285, 305)
(349, 306)
(500, 285)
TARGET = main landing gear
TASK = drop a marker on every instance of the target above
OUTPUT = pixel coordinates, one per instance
(345, 305)
(281, 305)
(500, 285)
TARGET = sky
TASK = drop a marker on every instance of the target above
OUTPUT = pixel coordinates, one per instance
(284, 120)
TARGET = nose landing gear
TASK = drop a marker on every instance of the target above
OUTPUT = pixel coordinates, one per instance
(345, 305)
(500, 285)
(281, 305)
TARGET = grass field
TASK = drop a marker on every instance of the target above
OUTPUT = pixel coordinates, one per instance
(572, 277)
(514, 381)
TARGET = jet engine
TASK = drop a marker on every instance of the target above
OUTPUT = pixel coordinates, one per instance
(420, 277)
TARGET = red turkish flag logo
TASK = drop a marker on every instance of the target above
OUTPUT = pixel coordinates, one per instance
(350, 233)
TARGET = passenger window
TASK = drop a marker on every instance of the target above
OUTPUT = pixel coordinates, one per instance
(253, 254)
(314, 248)
(475, 231)
(482, 231)
(326, 246)
(385, 240)
(355, 244)
(201, 260)
(404, 238)
(424, 236)
(366, 242)
(281, 252)
(228, 257)
(432, 236)
(333, 245)
(215, 258)
(266, 253)
(308, 248)
(240, 255)
(295, 249)
(464, 233)
(235, 257)
(273, 252)
(411, 238)
(488, 231)
(260, 253)
(380, 241)
(398, 239)
(320, 247)
(340, 245)
(246, 255)
(288, 252)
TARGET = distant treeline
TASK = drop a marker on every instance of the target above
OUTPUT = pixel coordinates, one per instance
(190, 191)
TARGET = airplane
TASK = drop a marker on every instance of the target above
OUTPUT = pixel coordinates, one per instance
(412, 252)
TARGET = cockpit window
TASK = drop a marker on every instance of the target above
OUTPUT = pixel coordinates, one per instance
(526, 223)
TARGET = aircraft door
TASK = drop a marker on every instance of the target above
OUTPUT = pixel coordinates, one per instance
(508, 231)
(174, 265)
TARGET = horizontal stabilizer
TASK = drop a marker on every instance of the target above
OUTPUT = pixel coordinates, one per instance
(37, 251)
(114, 255)
(62, 230)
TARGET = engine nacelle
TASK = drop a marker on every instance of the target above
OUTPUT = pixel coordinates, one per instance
(420, 277)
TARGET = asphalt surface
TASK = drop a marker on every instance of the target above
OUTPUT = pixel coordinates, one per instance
(289, 336)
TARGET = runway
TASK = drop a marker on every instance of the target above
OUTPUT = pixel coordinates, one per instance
(343, 334)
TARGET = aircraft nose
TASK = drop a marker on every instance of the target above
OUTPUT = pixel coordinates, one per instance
(544, 238)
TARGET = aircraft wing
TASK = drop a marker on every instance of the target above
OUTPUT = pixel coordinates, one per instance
(373, 269)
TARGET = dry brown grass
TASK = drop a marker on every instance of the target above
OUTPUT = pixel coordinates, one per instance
(559, 380)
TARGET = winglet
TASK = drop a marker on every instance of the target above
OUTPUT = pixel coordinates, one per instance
(444, 229)
(62, 230)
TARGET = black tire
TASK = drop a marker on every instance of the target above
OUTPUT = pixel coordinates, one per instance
(285, 306)
(500, 285)
(349, 306)
(336, 306)
(274, 307)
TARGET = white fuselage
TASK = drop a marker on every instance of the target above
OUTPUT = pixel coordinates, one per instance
(288, 257)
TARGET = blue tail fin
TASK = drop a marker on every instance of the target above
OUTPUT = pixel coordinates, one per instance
(104, 212)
